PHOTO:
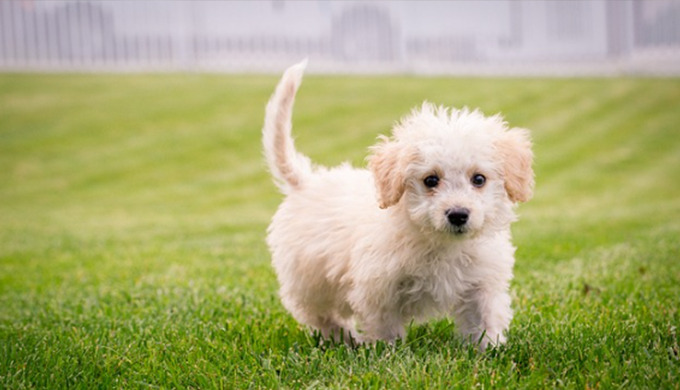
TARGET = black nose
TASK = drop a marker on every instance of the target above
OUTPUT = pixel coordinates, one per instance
(458, 216)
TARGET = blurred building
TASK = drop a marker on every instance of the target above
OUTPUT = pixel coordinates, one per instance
(503, 37)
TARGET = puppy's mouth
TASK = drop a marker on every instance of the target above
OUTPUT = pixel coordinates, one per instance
(459, 230)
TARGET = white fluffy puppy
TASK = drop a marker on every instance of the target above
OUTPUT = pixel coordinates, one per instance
(424, 232)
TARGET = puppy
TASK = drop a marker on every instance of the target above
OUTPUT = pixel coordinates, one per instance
(424, 232)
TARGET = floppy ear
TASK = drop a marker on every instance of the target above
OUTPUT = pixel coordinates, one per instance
(514, 149)
(388, 163)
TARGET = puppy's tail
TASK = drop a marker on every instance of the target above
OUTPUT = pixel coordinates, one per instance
(288, 167)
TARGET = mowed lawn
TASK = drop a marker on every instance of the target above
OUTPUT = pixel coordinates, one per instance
(133, 211)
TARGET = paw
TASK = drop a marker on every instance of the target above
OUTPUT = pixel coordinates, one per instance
(490, 340)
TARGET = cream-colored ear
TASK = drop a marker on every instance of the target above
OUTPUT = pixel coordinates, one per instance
(388, 163)
(514, 148)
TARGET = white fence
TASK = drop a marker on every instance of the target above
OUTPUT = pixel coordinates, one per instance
(424, 37)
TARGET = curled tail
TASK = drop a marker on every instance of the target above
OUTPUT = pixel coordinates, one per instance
(288, 167)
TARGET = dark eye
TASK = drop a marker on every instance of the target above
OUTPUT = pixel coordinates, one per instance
(431, 181)
(478, 180)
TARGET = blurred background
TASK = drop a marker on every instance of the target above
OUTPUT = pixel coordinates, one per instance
(501, 37)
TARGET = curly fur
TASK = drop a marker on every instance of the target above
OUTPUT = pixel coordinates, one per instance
(360, 253)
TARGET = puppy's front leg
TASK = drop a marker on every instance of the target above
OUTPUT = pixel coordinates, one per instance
(384, 326)
(484, 315)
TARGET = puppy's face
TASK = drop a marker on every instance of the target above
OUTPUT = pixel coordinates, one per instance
(457, 194)
(454, 172)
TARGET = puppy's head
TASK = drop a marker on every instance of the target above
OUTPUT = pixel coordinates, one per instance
(454, 171)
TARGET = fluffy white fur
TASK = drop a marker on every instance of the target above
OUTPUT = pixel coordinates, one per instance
(361, 253)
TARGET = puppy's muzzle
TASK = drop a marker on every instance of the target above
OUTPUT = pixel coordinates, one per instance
(458, 216)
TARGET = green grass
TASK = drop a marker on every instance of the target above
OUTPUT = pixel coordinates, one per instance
(133, 211)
